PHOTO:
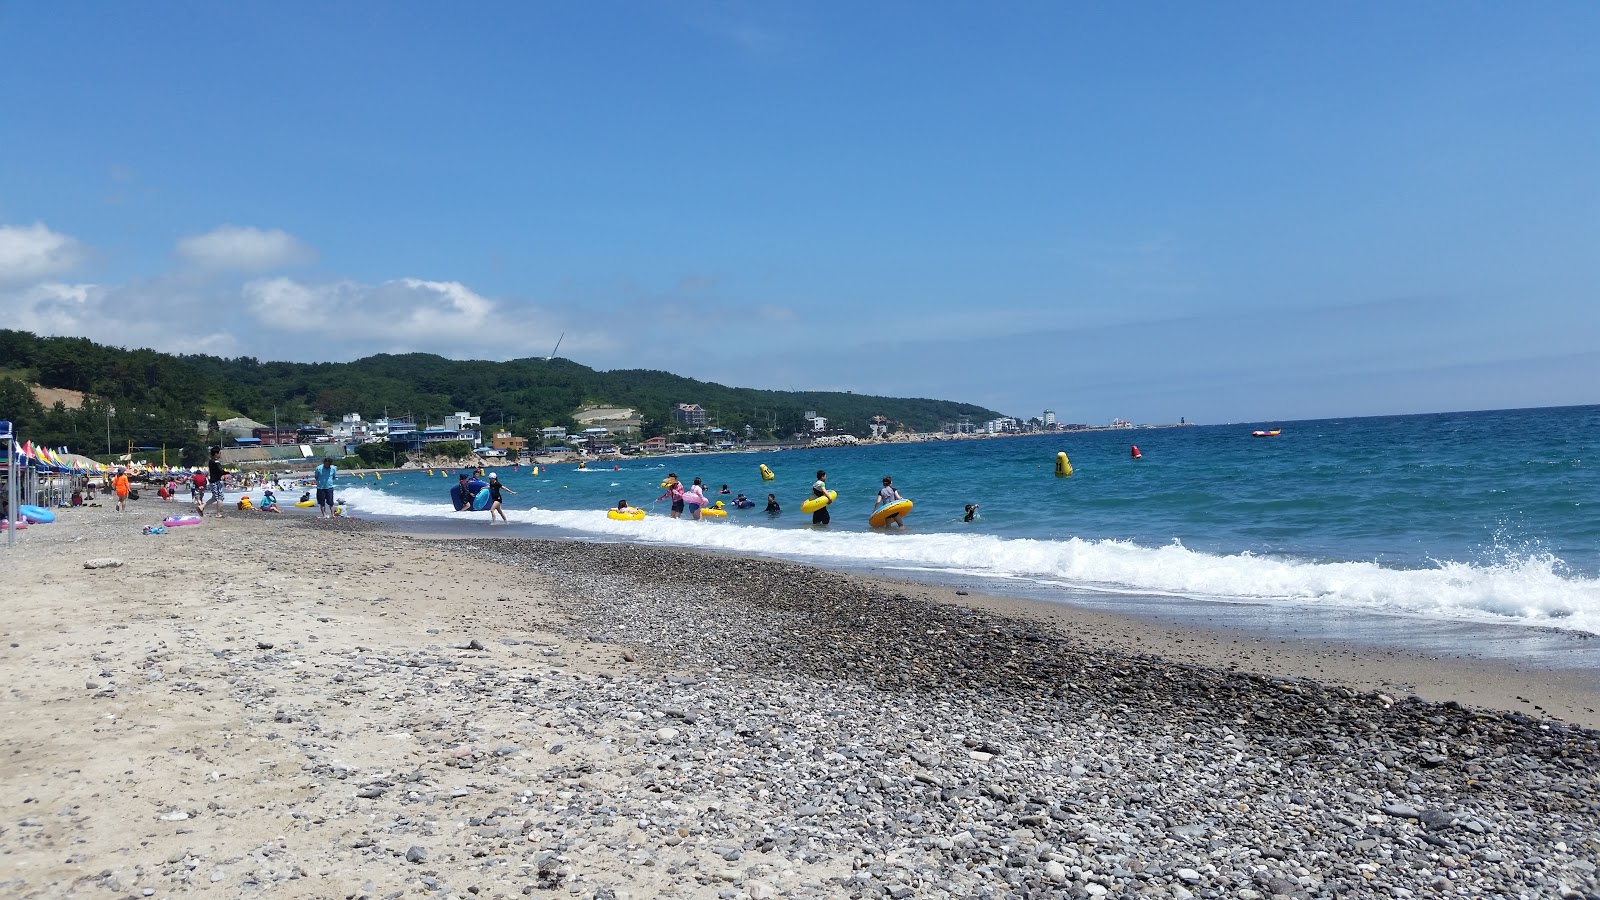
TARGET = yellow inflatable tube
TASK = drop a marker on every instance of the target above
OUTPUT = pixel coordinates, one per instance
(766, 473)
(880, 518)
(714, 513)
(633, 514)
(816, 503)
(1063, 465)
(306, 503)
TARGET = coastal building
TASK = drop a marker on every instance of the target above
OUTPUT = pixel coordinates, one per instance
(1002, 425)
(386, 429)
(313, 434)
(463, 421)
(351, 430)
(689, 415)
(505, 440)
(1049, 418)
(467, 425)
(417, 439)
(596, 439)
(878, 426)
(657, 444)
(556, 433)
(266, 436)
(819, 424)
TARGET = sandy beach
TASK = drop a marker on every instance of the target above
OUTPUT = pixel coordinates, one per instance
(276, 706)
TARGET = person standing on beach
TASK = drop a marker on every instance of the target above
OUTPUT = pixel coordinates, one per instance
(494, 490)
(214, 476)
(120, 485)
(887, 496)
(325, 473)
(820, 489)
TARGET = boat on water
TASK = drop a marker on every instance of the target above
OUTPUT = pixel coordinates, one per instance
(1273, 433)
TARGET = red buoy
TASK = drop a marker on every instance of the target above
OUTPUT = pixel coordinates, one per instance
(1136, 453)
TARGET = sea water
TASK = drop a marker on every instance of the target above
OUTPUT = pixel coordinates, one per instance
(1479, 517)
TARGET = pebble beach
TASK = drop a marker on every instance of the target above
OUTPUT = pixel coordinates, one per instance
(291, 708)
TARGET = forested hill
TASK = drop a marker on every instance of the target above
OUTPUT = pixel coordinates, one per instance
(158, 397)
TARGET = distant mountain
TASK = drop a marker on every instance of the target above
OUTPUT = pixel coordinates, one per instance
(158, 397)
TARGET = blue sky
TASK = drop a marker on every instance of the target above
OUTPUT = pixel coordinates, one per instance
(1229, 211)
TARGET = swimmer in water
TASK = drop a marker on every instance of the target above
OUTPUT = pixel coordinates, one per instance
(887, 496)
(972, 512)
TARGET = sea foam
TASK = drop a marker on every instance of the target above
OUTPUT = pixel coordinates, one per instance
(1530, 589)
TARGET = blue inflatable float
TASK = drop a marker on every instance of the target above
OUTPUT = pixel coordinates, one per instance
(36, 515)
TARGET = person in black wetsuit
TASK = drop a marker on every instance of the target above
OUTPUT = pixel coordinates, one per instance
(772, 505)
(820, 489)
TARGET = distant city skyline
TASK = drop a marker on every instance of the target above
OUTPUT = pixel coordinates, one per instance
(1228, 212)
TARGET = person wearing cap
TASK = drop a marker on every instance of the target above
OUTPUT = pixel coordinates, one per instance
(269, 503)
(495, 487)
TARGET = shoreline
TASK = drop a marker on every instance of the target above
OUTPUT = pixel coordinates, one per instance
(1294, 642)
(312, 709)
(1568, 695)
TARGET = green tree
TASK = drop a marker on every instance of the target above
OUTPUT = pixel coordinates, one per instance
(18, 406)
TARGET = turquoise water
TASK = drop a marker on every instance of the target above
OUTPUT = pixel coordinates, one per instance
(1485, 516)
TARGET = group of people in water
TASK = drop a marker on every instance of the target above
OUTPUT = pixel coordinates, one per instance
(475, 492)
(466, 494)
(693, 499)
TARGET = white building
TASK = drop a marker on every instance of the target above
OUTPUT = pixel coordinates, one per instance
(351, 430)
(463, 421)
(385, 429)
(464, 424)
(819, 424)
(1049, 418)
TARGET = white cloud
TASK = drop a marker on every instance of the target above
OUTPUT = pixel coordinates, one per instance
(31, 252)
(231, 248)
(401, 315)
(119, 315)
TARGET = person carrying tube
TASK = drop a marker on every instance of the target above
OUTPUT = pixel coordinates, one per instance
(820, 489)
(887, 496)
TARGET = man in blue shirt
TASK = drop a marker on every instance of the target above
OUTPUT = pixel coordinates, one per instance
(325, 475)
